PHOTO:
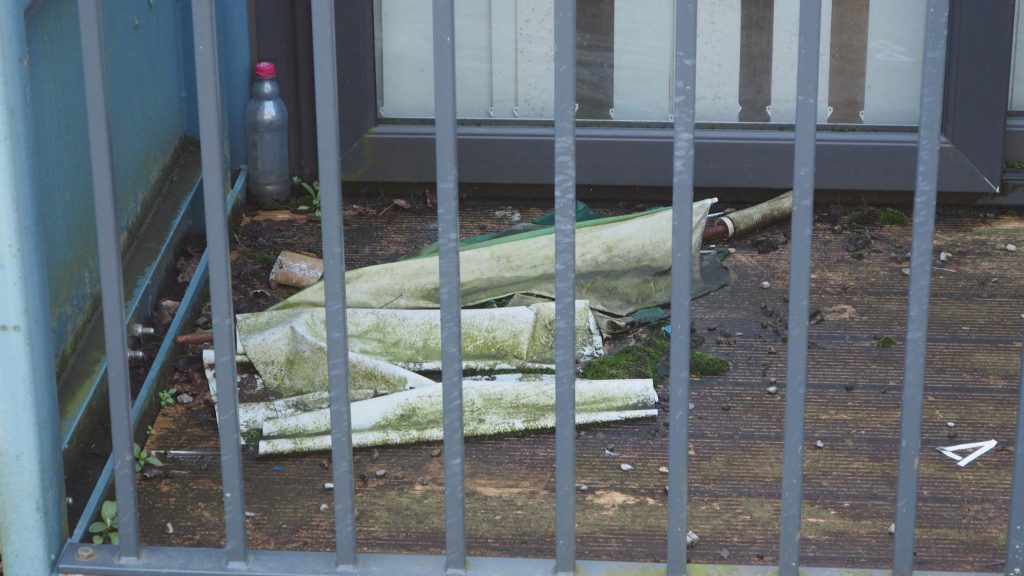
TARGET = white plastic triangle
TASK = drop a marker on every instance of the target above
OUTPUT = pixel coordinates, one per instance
(978, 447)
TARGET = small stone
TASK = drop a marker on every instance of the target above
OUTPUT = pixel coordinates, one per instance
(773, 381)
(732, 250)
(944, 256)
(150, 472)
(691, 538)
(995, 280)
(625, 467)
(724, 553)
(663, 469)
(819, 444)
(328, 485)
(906, 271)
(726, 407)
(772, 390)
(435, 452)
(950, 424)
(582, 488)
(690, 451)
(772, 350)
(1000, 246)
(766, 285)
(850, 387)
(185, 399)
(1011, 248)
(170, 528)
(712, 328)
(324, 507)
(610, 452)
(374, 455)
(892, 528)
(692, 405)
(250, 514)
(324, 465)
(422, 481)
(380, 473)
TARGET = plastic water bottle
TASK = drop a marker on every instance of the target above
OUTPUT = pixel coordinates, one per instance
(266, 124)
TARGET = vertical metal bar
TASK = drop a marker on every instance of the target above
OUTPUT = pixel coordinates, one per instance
(451, 302)
(325, 73)
(108, 241)
(799, 284)
(929, 135)
(565, 286)
(215, 186)
(32, 507)
(1015, 534)
(684, 106)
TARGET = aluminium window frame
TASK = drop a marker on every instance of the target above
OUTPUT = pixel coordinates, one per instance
(731, 156)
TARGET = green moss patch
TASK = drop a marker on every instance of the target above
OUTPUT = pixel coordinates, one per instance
(891, 217)
(646, 358)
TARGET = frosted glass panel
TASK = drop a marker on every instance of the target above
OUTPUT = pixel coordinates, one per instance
(1017, 81)
(870, 60)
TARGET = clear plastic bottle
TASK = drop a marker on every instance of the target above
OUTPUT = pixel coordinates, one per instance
(266, 124)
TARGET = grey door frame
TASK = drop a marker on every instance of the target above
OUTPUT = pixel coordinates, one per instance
(728, 156)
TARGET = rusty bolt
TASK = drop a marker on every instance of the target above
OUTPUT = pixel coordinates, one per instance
(85, 553)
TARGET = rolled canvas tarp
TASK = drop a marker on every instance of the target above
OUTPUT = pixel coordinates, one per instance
(623, 264)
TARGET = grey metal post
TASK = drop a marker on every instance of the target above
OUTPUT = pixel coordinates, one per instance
(108, 240)
(1015, 533)
(565, 286)
(328, 132)
(32, 514)
(929, 137)
(799, 284)
(215, 186)
(450, 297)
(684, 106)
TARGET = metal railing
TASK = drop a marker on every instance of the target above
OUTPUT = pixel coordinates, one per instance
(130, 557)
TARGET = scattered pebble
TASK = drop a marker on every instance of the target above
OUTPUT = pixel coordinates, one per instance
(422, 481)
(625, 467)
(380, 473)
(582, 488)
(772, 390)
(324, 507)
(170, 528)
(766, 285)
(772, 350)
(995, 280)
(185, 399)
(944, 256)
(612, 453)
(663, 469)
(726, 407)
(906, 271)
(324, 465)
(773, 381)
(819, 444)
(328, 485)
(1011, 248)
(732, 250)
(374, 455)
(849, 387)
(724, 553)
(692, 405)
(690, 451)
(691, 538)
(892, 528)
(950, 424)
(435, 452)
(1000, 246)
(252, 514)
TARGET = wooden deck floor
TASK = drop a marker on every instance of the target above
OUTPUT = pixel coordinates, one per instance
(853, 407)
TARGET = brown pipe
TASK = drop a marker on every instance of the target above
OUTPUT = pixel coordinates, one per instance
(195, 338)
(715, 230)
